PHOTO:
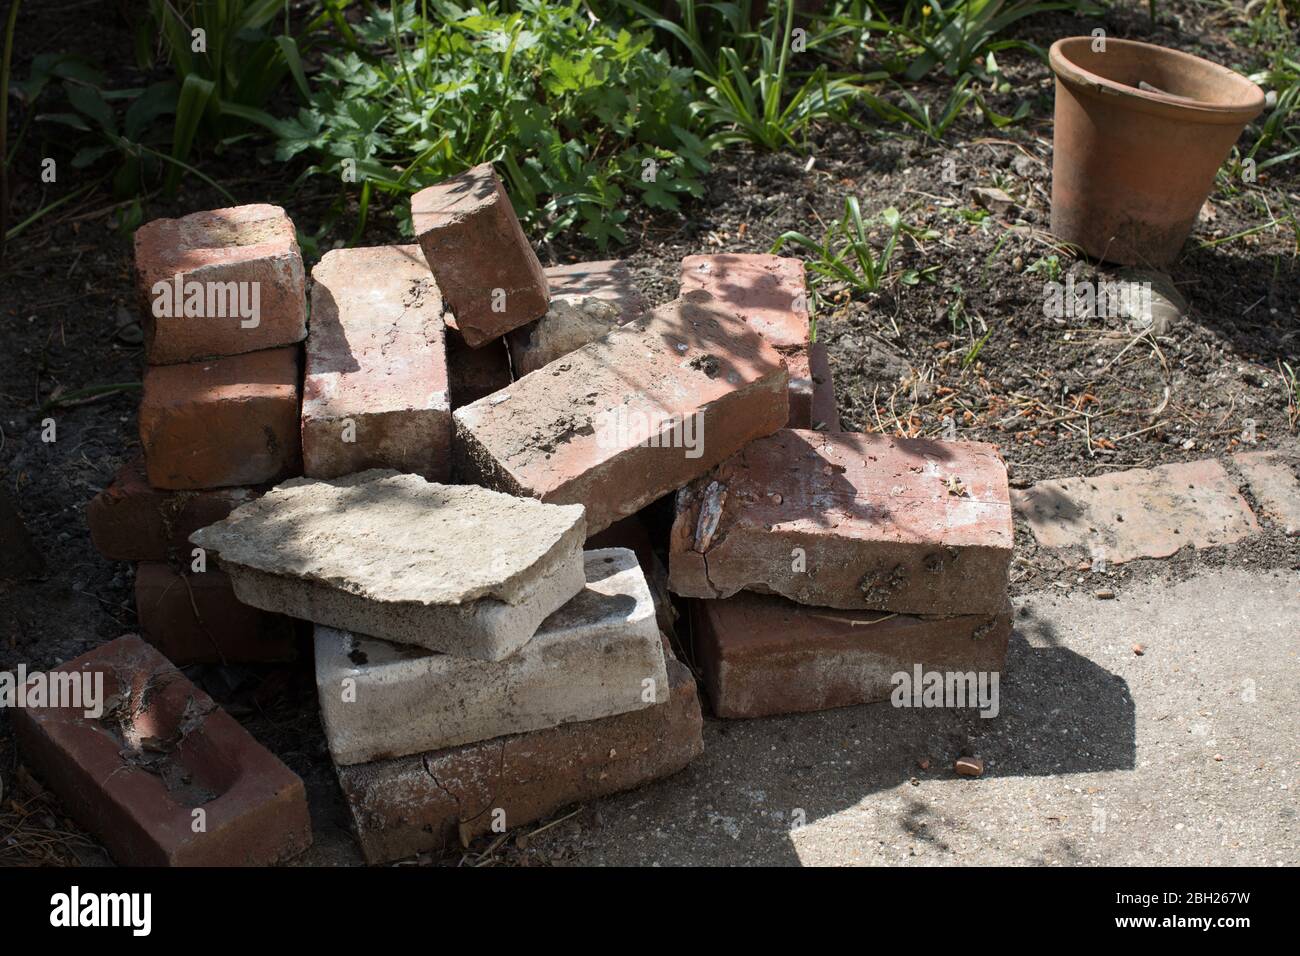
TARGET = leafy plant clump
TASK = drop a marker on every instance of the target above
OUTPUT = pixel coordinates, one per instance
(583, 119)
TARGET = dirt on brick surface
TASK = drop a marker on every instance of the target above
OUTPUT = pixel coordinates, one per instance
(1077, 396)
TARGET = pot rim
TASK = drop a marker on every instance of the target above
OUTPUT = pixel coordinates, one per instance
(1164, 104)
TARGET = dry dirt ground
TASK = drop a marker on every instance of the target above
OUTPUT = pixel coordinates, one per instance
(1086, 725)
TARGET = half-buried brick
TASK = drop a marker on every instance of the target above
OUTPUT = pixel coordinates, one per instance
(219, 283)
(132, 521)
(225, 422)
(629, 417)
(440, 799)
(762, 655)
(850, 521)
(163, 776)
(587, 300)
(454, 568)
(375, 390)
(1139, 513)
(478, 252)
(597, 656)
(196, 619)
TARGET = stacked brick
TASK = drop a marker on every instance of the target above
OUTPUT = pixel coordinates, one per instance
(824, 564)
(477, 488)
(224, 315)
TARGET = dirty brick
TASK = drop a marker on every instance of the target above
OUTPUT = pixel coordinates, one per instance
(375, 391)
(1272, 479)
(432, 801)
(195, 618)
(762, 655)
(849, 521)
(590, 659)
(225, 251)
(1140, 513)
(766, 291)
(454, 568)
(478, 253)
(629, 417)
(161, 750)
(224, 422)
(132, 521)
(587, 300)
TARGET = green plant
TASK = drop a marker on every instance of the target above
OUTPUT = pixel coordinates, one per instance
(918, 115)
(582, 118)
(845, 256)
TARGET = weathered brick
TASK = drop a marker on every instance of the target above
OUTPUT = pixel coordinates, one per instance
(687, 375)
(590, 659)
(454, 568)
(224, 422)
(475, 373)
(849, 521)
(587, 300)
(768, 292)
(761, 655)
(251, 245)
(132, 521)
(797, 361)
(634, 534)
(196, 619)
(1140, 513)
(375, 391)
(162, 750)
(472, 240)
(427, 801)
(825, 411)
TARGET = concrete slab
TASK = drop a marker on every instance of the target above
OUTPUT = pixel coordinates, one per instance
(1140, 513)
(597, 656)
(453, 568)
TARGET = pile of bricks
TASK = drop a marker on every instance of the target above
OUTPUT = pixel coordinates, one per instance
(484, 485)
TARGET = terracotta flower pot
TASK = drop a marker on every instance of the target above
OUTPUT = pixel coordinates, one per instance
(1140, 132)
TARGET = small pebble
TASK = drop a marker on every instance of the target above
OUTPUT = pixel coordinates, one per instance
(969, 766)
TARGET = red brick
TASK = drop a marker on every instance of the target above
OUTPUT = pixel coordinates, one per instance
(428, 801)
(768, 292)
(196, 618)
(475, 373)
(244, 244)
(761, 655)
(474, 244)
(132, 521)
(825, 411)
(801, 387)
(889, 524)
(225, 422)
(255, 807)
(377, 358)
(572, 431)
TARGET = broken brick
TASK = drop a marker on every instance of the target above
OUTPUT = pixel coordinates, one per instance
(825, 411)
(479, 255)
(224, 422)
(375, 391)
(1271, 477)
(849, 521)
(195, 618)
(132, 521)
(454, 568)
(163, 777)
(629, 417)
(219, 256)
(435, 800)
(761, 655)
